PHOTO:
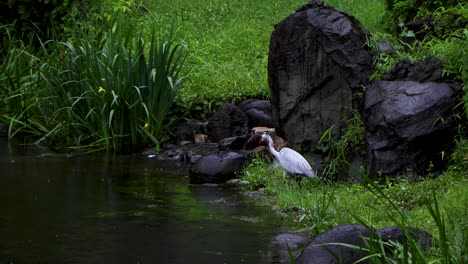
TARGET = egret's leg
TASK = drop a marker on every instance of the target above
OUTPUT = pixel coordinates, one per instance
(284, 174)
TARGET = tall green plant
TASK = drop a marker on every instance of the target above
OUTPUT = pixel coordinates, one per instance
(18, 84)
(115, 92)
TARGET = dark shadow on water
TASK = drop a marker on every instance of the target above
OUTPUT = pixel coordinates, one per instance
(121, 209)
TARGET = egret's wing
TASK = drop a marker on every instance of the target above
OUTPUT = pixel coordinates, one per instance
(293, 162)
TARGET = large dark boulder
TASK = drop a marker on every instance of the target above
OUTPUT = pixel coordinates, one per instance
(408, 125)
(331, 246)
(320, 251)
(217, 168)
(318, 62)
(228, 121)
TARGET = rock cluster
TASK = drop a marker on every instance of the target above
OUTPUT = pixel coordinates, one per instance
(214, 151)
(318, 65)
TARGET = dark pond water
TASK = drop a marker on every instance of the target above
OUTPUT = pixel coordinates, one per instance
(124, 209)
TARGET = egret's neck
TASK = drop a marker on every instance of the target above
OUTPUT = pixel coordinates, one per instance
(272, 149)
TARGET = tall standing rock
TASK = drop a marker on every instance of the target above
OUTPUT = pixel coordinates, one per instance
(318, 60)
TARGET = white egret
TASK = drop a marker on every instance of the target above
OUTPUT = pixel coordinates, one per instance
(291, 161)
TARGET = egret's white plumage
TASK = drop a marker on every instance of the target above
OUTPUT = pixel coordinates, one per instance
(291, 161)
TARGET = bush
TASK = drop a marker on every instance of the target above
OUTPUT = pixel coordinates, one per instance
(114, 92)
(439, 13)
(32, 17)
(18, 84)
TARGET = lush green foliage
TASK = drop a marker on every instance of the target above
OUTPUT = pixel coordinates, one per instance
(448, 40)
(53, 18)
(439, 11)
(109, 89)
(114, 92)
(435, 205)
(19, 79)
(34, 17)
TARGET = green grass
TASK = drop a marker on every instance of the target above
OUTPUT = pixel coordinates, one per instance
(228, 43)
(437, 206)
(229, 40)
(368, 12)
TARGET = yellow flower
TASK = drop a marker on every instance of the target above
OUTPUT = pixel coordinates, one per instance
(101, 90)
(146, 125)
(103, 79)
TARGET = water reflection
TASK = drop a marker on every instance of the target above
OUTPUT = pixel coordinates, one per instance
(122, 209)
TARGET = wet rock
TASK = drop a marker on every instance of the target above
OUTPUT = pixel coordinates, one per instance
(320, 250)
(318, 59)
(233, 143)
(187, 130)
(317, 252)
(394, 233)
(428, 70)
(188, 153)
(254, 142)
(258, 112)
(227, 122)
(207, 162)
(385, 47)
(217, 168)
(421, 28)
(255, 194)
(284, 244)
(408, 124)
(168, 146)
